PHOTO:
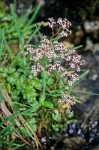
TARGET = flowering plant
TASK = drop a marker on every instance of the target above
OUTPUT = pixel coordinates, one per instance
(56, 65)
(37, 97)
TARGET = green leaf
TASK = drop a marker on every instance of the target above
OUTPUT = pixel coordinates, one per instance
(35, 105)
(15, 95)
(42, 97)
(11, 80)
(56, 117)
(9, 70)
(20, 85)
(70, 115)
(29, 92)
(36, 83)
(50, 81)
(55, 127)
(47, 104)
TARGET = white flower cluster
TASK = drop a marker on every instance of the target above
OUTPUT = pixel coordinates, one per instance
(55, 57)
(66, 99)
(36, 69)
(51, 22)
(63, 24)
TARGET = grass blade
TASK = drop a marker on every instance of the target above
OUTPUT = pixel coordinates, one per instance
(82, 76)
(84, 92)
(35, 13)
(77, 47)
(1, 41)
(56, 38)
(31, 37)
(17, 27)
(8, 48)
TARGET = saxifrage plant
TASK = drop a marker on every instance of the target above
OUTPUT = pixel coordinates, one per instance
(39, 89)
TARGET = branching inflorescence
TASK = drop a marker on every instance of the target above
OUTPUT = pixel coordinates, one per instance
(53, 56)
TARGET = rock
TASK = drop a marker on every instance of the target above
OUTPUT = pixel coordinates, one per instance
(91, 26)
(94, 77)
(89, 44)
(74, 143)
